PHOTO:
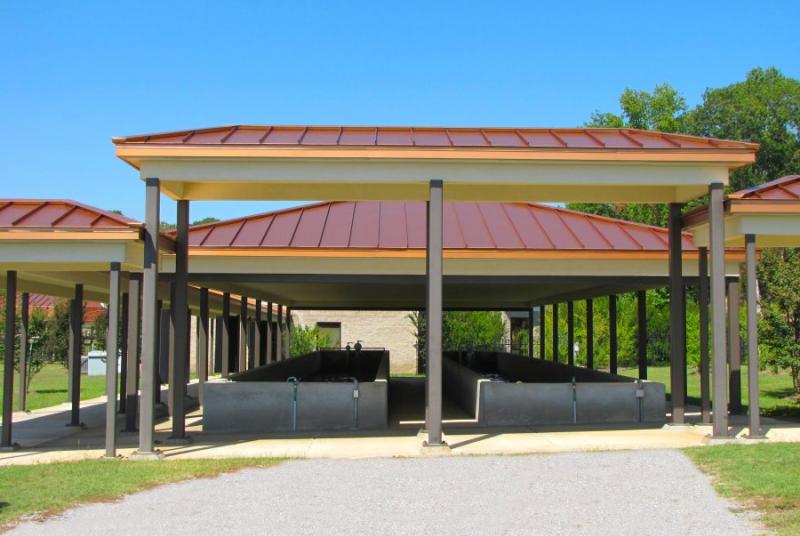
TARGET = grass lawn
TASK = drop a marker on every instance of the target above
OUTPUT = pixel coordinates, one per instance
(35, 491)
(777, 394)
(49, 387)
(765, 477)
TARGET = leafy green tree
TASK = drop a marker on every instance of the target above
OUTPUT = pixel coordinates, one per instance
(473, 330)
(56, 339)
(307, 339)
(662, 110)
(779, 328)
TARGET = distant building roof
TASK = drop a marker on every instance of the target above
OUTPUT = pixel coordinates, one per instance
(785, 188)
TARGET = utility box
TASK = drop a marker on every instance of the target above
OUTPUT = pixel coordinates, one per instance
(96, 363)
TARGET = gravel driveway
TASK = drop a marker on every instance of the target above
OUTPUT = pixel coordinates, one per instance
(637, 493)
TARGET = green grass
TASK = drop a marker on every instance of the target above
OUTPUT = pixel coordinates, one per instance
(764, 477)
(36, 491)
(776, 392)
(49, 387)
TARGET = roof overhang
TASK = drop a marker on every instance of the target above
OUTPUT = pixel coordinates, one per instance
(775, 223)
(383, 163)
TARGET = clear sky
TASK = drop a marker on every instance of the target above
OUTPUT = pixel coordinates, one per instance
(74, 74)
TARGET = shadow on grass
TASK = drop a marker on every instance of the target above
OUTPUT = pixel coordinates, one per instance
(49, 391)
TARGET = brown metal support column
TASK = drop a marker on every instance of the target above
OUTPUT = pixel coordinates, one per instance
(530, 331)
(123, 351)
(734, 349)
(149, 318)
(613, 345)
(571, 333)
(179, 356)
(705, 369)
(288, 348)
(112, 353)
(542, 327)
(279, 334)
(202, 344)
(719, 385)
(132, 378)
(589, 334)
(677, 321)
(434, 314)
(24, 316)
(641, 305)
(243, 334)
(8, 360)
(225, 338)
(555, 333)
(270, 357)
(752, 337)
(258, 357)
(75, 346)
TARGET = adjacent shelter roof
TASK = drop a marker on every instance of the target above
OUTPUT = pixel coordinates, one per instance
(59, 214)
(770, 211)
(396, 225)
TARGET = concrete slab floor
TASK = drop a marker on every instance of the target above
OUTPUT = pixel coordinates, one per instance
(44, 438)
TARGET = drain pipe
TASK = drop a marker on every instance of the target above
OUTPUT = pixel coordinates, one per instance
(295, 381)
(640, 399)
(574, 401)
(355, 402)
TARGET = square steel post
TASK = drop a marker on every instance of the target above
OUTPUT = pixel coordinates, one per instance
(279, 334)
(225, 336)
(677, 320)
(589, 334)
(434, 314)
(270, 356)
(705, 369)
(218, 344)
(8, 360)
(613, 345)
(555, 333)
(288, 337)
(75, 347)
(112, 353)
(542, 327)
(752, 337)
(24, 350)
(123, 350)
(202, 344)
(641, 306)
(530, 331)
(243, 334)
(133, 358)
(258, 356)
(149, 318)
(734, 349)
(571, 334)
(179, 356)
(716, 207)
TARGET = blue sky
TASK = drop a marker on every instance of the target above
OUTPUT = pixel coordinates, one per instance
(74, 74)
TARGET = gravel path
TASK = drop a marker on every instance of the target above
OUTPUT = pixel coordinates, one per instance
(636, 493)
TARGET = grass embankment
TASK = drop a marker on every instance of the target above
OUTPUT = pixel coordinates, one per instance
(776, 392)
(49, 387)
(37, 491)
(764, 477)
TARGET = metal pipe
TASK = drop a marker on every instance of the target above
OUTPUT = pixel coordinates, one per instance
(641, 302)
(355, 402)
(612, 334)
(434, 312)
(75, 347)
(734, 349)
(705, 369)
(295, 381)
(677, 333)
(589, 334)
(574, 401)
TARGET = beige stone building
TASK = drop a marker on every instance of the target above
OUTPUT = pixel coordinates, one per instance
(392, 330)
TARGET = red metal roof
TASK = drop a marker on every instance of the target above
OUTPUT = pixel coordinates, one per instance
(785, 188)
(59, 214)
(343, 136)
(401, 225)
(92, 310)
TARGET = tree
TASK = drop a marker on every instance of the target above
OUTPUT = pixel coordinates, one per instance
(779, 341)
(307, 339)
(466, 330)
(662, 110)
(56, 340)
